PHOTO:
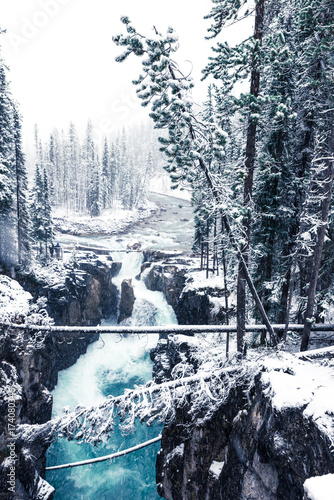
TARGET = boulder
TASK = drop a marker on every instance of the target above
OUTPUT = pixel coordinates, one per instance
(81, 294)
(127, 300)
(192, 306)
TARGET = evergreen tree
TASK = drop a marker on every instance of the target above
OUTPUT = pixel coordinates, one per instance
(37, 209)
(14, 217)
(40, 210)
(79, 182)
(167, 90)
(275, 201)
(22, 213)
(106, 186)
(66, 170)
(113, 179)
(92, 173)
(94, 190)
(289, 188)
(47, 217)
(315, 63)
(124, 171)
(7, 173)
(52, 170)
(293, 109)
(74, 167)
(230, 65)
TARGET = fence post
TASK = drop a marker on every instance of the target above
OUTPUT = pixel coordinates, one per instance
(241, 320)
(202, 252)
(226, 301)
(207, 248)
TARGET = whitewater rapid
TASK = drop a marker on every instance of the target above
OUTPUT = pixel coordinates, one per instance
(111, 365)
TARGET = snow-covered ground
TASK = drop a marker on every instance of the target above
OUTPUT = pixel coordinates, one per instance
(112, 221)
(14, 301)
(52, 272)
(293, 382)
(16, 305)
(320, 487)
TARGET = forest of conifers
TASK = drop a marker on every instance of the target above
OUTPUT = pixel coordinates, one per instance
(259, 162)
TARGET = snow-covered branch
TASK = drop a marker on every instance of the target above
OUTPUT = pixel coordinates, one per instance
(201, 394)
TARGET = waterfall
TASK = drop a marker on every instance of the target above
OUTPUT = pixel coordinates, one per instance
(111, 365)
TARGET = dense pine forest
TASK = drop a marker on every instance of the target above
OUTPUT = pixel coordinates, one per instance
(86, 177)
(259, 162)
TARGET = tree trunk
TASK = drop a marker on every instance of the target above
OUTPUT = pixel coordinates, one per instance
(202, 252)
(207, 249)
(226, 302)
(241, 312)
(215, 254)
(250, 283)
(249, 165)
(18, 215)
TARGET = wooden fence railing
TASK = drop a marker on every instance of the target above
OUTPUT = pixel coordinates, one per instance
(167, 329)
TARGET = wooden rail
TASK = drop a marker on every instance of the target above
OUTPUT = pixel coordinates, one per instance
(98, 250)
(106, 457)
(167, 329)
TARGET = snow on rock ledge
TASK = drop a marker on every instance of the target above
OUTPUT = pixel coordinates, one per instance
(319, 488)
(14, 301)
(303, 385)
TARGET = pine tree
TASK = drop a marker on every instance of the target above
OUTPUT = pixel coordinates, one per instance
(113, 179)
(73, 151)
(66, 169)
(91, 173)
(7, 173)
(37, 209)
(22, 213)
(94, 190)
(52, 174)
(163, 86)
(293, 110)
(315, 97)
(40, 210)
(47, 217)
(106, 187)
(228, 66)
(275, 201)
(124, 171)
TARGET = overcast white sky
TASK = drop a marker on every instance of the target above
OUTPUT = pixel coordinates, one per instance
(62, 58)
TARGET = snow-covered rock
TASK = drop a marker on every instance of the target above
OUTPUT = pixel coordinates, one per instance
(195, 299)
(267, 440)
(319, 487)
(14, 301)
